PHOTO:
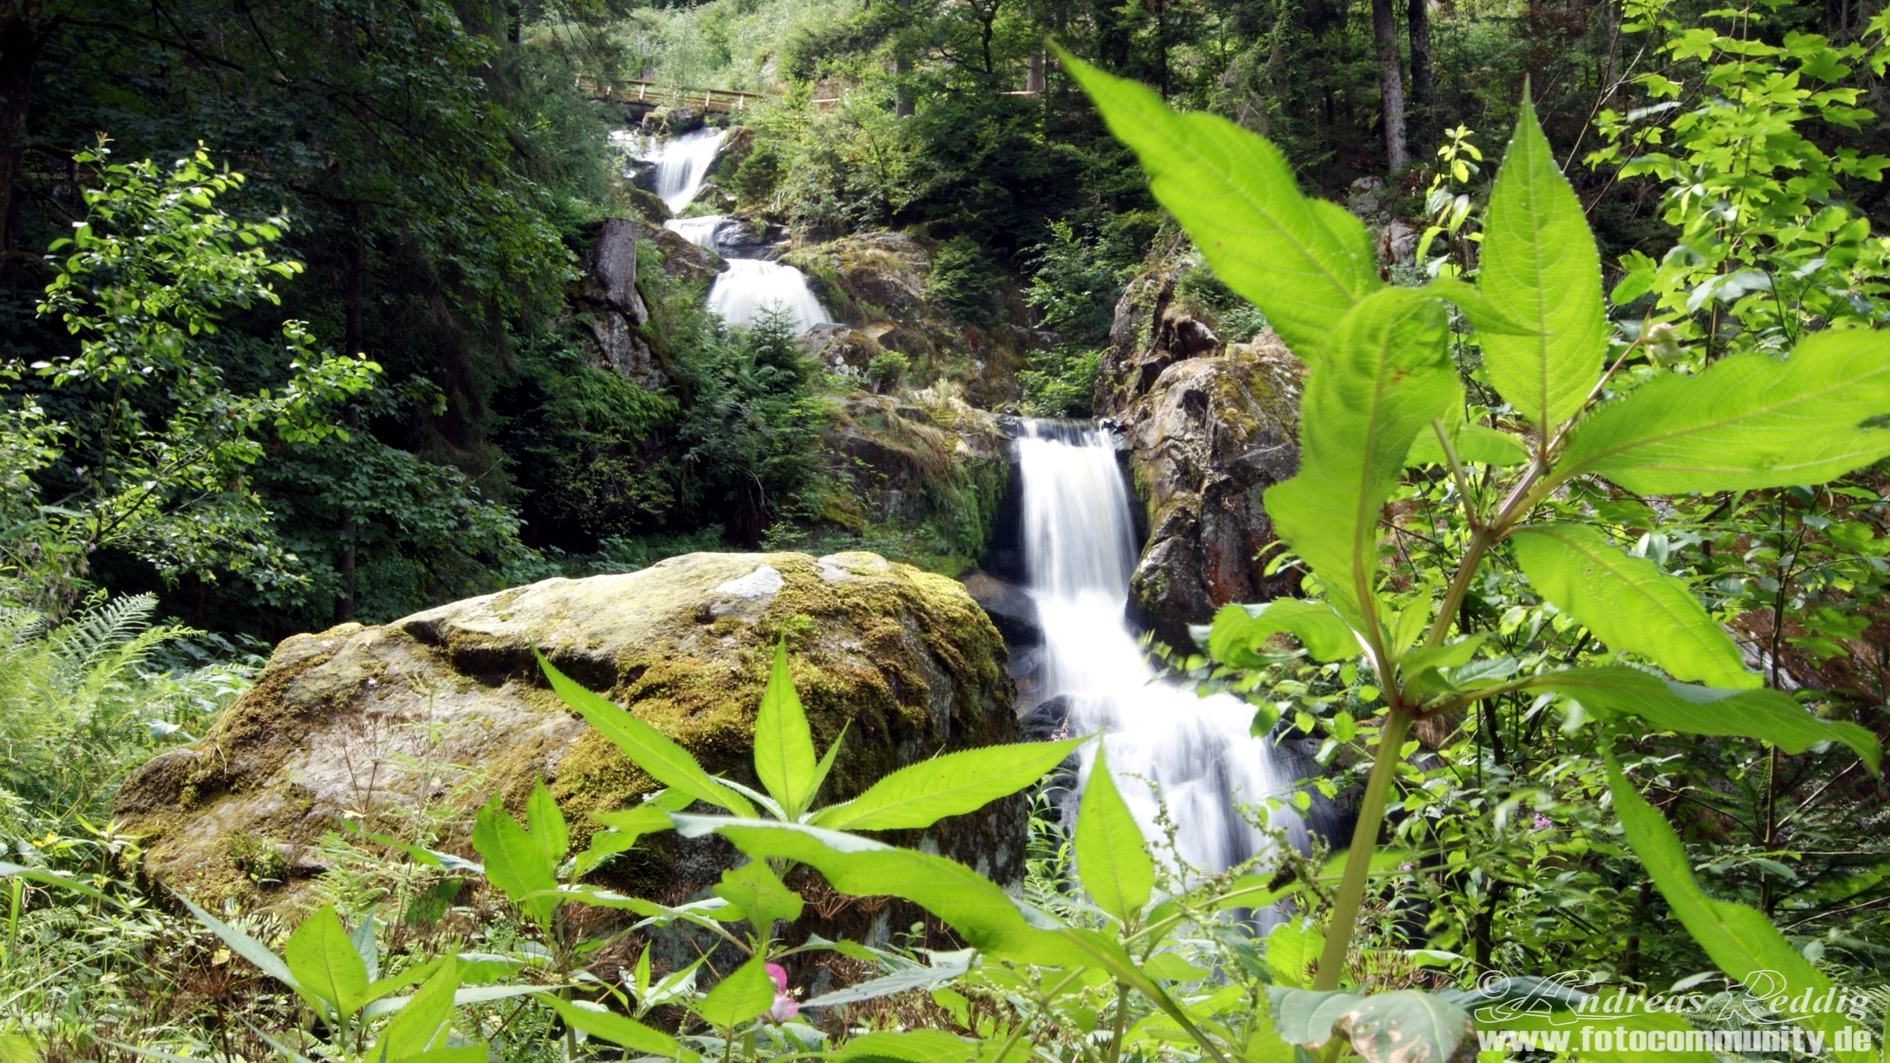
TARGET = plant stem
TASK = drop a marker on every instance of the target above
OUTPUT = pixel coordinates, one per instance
(1122, 1021)
(1358, 860)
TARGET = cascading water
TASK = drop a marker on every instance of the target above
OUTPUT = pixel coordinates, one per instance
(682, 163)
(1162, 739)
(750, 286)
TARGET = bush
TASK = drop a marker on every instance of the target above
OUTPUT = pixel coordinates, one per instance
(1060, 382)
(965, 281)
(887, 370)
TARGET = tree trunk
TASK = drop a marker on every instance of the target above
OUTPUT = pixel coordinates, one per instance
(1423, 98)
(902, 80)
(1390, 82)
(19, 47)
(514, 22)
(1034, 79)
(353, 339)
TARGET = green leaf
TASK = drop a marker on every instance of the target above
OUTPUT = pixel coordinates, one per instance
(1629, 603)
(594, 1021)
(784, 748)
(944, 967)
(1303, 262)
(921, 794)
(647, 748)
(1240, 631)
(971, 904)
(627, 826)
(1111, 860)
(515, 863)
(906, 1046)
(328, 971)
(827, 759)
(745, 994)
(1747, 422)
(48, 877)
(243, 945)
(423, 1023)
(546, 822)
(1539, 262)
(1740, 940)
(1766, 715)
(1404, 1026)
(760, 894)
(1387, 378)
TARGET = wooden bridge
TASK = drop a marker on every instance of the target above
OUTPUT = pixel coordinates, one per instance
(650, 94)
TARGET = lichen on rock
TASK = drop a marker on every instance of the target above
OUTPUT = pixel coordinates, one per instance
(369, 723)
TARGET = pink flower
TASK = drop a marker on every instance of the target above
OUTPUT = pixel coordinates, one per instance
(785, 1006)
(1542, 822)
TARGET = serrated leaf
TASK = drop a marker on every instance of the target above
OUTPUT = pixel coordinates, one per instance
(907, 1046)
(546, 823)
(1111, 860)
(1741, 941)
(1387, 378)
(653, 751)
(1539, 262)
(760, 894)
(1765, 715)
(1747, 422)
(1239, 631)
(745, 994)
(1629, 603)
(1301, 261)
(784, 748)
(921, 794)
(328, 971)
(945, 967)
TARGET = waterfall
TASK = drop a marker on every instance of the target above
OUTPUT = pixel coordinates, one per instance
(681, 164)
(698, 231)
(1079, 548)
(750, 285)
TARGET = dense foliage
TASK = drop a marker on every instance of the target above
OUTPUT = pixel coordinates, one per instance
(300, 325)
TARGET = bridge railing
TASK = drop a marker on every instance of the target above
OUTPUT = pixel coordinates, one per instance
(637, 90)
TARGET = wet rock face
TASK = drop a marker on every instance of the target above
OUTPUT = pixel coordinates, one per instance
(1210, 428)
(612, 307)
(439, 711)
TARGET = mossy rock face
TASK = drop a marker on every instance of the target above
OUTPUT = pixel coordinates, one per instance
(370, 723)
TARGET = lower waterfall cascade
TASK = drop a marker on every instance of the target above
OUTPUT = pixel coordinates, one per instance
(1166, 745)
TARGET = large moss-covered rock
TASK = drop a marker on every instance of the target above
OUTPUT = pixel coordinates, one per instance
(446, 707)
(1210, 427)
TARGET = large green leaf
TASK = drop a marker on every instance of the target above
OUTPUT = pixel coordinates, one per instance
(1539, 263)
(971, 904)
(921, 794)
(594, 1021)
(745, 994)
(652, 750)
(516, 864)
(328, 971)
(1111, 860)
(545, 820)
(906, 1046)
(1747, 422)
(1239, 631)
(1404, 1026)
(1629, 603)
(760, 894)
(1740, 940)
(1387, 378)
(1302, 261)
(422, 1023)
(1766, 715)
(784, 748)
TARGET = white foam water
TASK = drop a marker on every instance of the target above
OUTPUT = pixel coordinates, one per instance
(751, 285)
(1166, 745)
(682, 163)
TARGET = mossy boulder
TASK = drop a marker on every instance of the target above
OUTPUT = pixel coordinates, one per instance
(421, 720)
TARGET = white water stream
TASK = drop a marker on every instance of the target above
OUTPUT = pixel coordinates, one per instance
(1196, 753)
(682, 163)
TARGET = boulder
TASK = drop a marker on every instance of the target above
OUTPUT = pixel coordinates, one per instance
(684, 260)
(609, 303)
(1210, 427)
(423, 719)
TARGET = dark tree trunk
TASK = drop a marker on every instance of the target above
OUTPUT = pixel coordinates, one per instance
(19, 48)
(1423, 92)
(1034, 79)
(514, 21)
(902, 81)
(1390, 82)
(352, 342)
